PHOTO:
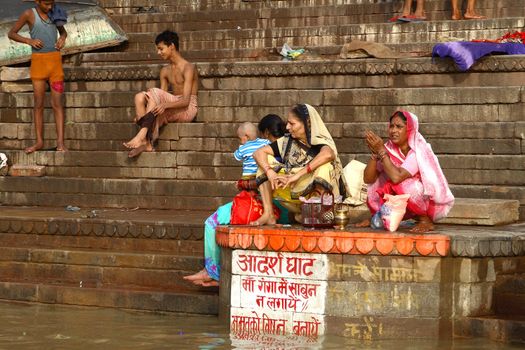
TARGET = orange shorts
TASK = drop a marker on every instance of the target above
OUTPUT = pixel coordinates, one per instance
(47, 66)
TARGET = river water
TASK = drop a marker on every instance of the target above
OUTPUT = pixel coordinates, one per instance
(37, 326)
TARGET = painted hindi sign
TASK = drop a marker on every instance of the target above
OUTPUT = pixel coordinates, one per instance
(278, 293)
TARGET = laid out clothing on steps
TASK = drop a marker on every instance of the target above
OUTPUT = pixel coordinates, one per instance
(179, 115)
(244, 154)
(293, 156)
(429, 192)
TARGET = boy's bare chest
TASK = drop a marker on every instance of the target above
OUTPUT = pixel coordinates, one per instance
(175, 76)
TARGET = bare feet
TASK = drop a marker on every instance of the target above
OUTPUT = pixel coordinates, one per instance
(61, 147)
(201, 275)
(265, 219)
(364, 223)
(37, 146)
(212, 283)
(424, 225)
(134, 143)
(473, 15)
(137, 151)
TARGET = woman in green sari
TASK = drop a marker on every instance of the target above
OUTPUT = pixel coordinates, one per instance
(271, 127)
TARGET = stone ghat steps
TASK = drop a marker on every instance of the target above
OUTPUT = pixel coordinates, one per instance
(149, 56)
(133, 6)
(101, 269)
(467, 137)
(472, 169)
(206, 303)
(504, 112)
(131, 259)
(510, 294)
(367, 74)
(144, 231)
(385, 33)
(115, 193)
(167, 194)
(433, 104)
(297, 16)
(501, 328)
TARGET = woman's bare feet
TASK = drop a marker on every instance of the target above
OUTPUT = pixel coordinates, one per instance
(364, 223)
(211, 283)
(424, 225)
(201, 275)
(265, 219)
(37, 146)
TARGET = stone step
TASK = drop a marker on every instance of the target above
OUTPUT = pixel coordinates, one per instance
(488, 212)
(502, 328)
(334, 74)
(268, 18)
(202, 302)
(178, 131)
(100, 269)
(509, 294)
(142, 231)
(428, 113)
(150, 56)
(116, 193)
(221, 144)
(385, 33)
(132, 6)
(285, 98)
(128, 193)
(459, 169)
(492, 192)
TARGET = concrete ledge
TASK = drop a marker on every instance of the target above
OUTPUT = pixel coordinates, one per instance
(446, 241)
(490, 212)
(514, 63)
(111, 223)
(361, 242)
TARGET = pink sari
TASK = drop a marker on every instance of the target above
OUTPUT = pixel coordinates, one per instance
(429, 192)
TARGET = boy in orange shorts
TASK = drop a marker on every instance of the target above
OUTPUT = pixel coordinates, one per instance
(46, 65)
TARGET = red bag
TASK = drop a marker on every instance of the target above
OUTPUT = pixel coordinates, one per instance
(247, 207)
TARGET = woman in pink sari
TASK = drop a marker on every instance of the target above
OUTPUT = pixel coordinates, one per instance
(406, 164)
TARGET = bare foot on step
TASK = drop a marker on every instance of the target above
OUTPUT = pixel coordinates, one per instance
(37, 146)
(201, 275)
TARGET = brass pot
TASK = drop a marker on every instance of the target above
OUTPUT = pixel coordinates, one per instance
(341, 218)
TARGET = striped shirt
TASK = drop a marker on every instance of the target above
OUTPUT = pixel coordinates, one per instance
(244, 154)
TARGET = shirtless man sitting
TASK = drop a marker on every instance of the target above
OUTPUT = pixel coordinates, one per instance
(157, 107)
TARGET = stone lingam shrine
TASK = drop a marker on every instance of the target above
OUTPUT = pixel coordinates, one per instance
(361, 284)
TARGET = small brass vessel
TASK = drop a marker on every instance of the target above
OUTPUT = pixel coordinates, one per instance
(341, 216)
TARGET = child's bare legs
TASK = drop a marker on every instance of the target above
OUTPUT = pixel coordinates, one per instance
(141, 102)
(58, 111)
(267, 217)
(39, 93)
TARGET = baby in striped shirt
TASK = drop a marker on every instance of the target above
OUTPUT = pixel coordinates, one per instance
(247, 134)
